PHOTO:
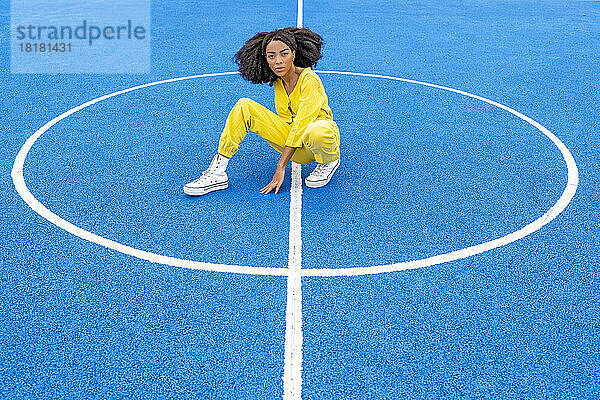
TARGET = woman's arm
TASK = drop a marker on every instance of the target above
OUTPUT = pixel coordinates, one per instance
(311, 101)
(279, 175)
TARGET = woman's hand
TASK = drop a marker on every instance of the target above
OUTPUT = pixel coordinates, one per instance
(275, 182)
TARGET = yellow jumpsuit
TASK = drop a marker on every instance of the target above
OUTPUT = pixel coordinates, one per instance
(303, 120)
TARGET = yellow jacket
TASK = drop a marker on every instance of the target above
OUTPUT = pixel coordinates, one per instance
(307, 103)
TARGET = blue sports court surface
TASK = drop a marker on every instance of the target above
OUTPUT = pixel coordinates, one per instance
(454, 254)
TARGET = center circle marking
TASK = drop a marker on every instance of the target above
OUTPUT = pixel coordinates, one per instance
(553, 212)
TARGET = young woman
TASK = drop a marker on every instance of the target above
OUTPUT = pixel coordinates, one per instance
(303, 129)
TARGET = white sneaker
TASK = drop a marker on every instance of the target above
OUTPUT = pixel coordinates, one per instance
(214, 178)
(322, 174)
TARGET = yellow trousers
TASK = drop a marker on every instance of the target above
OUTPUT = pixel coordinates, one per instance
(320, 142)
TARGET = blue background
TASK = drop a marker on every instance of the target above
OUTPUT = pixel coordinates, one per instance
(423, 171)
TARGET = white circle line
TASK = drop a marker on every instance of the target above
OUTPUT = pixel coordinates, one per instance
(561, 204)
(19, 182)
(553, 212)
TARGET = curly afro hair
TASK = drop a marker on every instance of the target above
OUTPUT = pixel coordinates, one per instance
(251, 58)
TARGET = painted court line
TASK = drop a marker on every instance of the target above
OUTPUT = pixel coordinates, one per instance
(292, 377)
(21, 187)
(292, 371)
(293, 347)
(300, 13)
(553, 212)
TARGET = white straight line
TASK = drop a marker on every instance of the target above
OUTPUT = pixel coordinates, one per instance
(292, 369)
(299, 21)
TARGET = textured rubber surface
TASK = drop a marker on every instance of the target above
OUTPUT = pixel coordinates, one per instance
(425, 171)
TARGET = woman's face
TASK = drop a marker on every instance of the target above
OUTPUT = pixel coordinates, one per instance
(280, 57)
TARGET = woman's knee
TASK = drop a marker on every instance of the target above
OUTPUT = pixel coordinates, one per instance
(319, 131)
(244, 103)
